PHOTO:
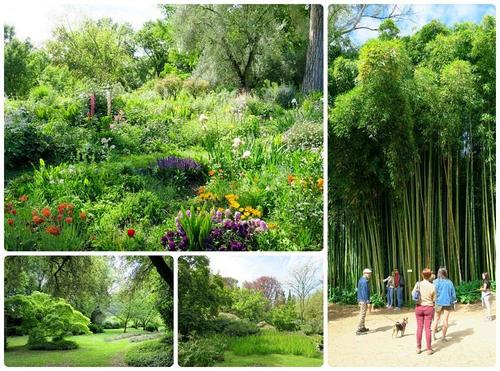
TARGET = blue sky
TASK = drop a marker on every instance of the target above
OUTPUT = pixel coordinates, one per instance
(249, 267)
(449, 14)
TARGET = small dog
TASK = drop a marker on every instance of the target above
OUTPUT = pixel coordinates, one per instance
(399, 327)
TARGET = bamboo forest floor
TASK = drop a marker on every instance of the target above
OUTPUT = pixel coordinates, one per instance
(471, 340)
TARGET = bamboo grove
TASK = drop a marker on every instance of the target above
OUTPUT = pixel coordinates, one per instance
(412, 155)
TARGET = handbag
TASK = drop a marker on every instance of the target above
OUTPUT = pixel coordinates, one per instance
(416, 293)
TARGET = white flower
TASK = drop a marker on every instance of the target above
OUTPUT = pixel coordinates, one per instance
(112, 146)
(294, 102)
(246, 154)
(237, 142)
(203, 118)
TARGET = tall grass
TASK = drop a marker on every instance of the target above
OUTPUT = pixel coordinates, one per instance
(274, 342)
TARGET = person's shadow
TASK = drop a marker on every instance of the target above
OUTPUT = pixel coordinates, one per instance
(454, 338)
(383, 328)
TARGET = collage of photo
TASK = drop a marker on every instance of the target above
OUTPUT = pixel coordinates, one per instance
(249, 185)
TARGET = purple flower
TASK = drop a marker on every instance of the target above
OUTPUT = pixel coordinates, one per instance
(178, 163)
(237, 216)
(227, 213)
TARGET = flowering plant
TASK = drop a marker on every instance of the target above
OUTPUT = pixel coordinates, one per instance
(179, 169)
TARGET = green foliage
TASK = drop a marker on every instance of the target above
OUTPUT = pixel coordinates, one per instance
(203, 352)
(304, 136)
(468, 292)
(169, 86)
(197, 226)
(54, 345)
(284, 317)
(342, 296)
(196, 86)
(342, 76)
(248, 304)
(240, 328)
(152, 353)
(96, 329)
(43, 316)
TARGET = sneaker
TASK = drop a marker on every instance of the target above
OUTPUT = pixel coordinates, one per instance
(430, 352)
(419, 350)
(364, 329)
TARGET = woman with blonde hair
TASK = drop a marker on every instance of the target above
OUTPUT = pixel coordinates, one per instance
(424, 294)
(445, 300)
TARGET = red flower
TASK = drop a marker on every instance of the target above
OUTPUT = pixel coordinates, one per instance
(131, 232)
(83, 215)
(46, 212)
(37, 220)
(13, 211)
(59, 218)
(10, 221)
(53, 230)
(68, 220)
(23, 198)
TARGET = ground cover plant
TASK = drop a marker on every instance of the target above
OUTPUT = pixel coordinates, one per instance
(88, 311)
(158, 143)
(411, 151)
(224, 322)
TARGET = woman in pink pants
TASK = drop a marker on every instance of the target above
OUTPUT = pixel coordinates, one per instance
(424, 311)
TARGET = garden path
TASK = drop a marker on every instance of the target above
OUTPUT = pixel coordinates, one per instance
(471, 340)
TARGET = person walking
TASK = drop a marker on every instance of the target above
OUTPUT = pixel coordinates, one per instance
(445, 301)
(390, 289)
(486, 295)
(425, 295)
(399, 284)
(363, 300)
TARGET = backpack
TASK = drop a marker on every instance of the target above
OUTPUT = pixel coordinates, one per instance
(416, 293)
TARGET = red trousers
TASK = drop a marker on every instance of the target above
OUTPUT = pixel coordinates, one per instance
(424, 315)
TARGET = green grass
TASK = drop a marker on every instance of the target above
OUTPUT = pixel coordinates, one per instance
(268, 360)
(270, 342)
(93, 351)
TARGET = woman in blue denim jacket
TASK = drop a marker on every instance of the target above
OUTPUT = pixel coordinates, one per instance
(445, 301)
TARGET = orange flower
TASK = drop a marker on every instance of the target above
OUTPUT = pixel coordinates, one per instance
(320, 182)
(68, 220)
(37, 220)
(53, 230)
(10, 221)
(291, 178)
(34, 213)
(13, 211)
(23, 198)
(83, 215)
(211, 172)
(46, 212)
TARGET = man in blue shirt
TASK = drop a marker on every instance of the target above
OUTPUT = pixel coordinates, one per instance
(363, 299)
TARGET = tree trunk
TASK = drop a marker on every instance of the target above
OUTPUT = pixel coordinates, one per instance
(163, 270)
(313, 76)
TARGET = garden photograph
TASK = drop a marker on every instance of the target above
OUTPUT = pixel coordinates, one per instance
(88, 311)
(255, 311)
(411, 170)
(163, 127)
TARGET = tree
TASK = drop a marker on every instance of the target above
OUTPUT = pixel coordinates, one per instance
(101, 51)
(235, 42)
(248, 304)
(43, 316)
(201, 294)
(303, 281)
(268, 286)
(313, 76)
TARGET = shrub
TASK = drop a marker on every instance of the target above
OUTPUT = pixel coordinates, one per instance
(342, 296)
(284, 317)
(54, 345)
(203, 352)
(467, 292)
(263, 109)
(196, 86)
(152, 353)
(285, 97)
(151, 327)
(169, 86)
(179, 170)
(240, 328)
(304, 135)
(96, 329)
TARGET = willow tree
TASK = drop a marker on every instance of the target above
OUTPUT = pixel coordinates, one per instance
(411, 156)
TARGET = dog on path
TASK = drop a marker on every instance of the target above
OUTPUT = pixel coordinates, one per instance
(399, 327)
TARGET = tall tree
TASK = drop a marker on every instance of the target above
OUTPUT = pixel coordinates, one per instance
(302, 282)
(268, 286)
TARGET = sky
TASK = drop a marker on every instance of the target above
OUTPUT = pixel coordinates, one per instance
(448, 14)
(37, 20)
(251, 267)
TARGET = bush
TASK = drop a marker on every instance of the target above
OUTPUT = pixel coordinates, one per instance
(203, 352)
(285, 96)
(304, 135)
(152, 327)
(342, 296)
(240, 328)
(196, 86)
(154, 353)
(284, 318)
(467, 292)
(263, 109)
(169, 86)
(96, 329)
(54, 345)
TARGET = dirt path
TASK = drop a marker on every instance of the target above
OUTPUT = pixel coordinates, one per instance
(468, 335)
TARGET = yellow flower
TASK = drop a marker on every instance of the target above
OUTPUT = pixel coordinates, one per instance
(320, 183)
(241, 209)
(272, 225)
(246, 213)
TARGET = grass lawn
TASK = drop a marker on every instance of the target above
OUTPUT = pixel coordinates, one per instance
(93, 351)
(268, 360)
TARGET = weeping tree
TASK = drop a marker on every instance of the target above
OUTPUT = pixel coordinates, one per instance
(412, 155)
